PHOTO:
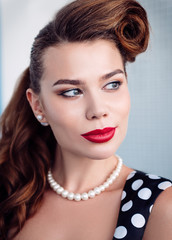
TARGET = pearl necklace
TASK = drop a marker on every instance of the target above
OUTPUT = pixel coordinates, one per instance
(84, 196)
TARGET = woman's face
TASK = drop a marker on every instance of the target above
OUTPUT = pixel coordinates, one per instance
(84, 88)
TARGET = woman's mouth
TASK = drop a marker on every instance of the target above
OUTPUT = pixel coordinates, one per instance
(100, 135)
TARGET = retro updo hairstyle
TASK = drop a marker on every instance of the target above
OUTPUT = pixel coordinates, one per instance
(122, 21)
(27, 148)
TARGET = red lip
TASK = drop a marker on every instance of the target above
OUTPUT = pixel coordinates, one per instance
(100, 135)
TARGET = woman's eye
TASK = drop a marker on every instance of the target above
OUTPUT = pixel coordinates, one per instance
(71, 93)
(113, 85)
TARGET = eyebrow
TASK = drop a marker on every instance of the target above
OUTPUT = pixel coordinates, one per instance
(111, 74)
(79, 82)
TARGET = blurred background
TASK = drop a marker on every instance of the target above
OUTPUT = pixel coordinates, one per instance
(148, 145)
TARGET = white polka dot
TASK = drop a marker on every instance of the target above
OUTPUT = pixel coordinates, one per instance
(123, 195)
(120, 232)
(150, 209)
(131, 175)
(138, 220)
(164, 185)
(127, 206)
(152, 176)
(145, 193)
(137, 184)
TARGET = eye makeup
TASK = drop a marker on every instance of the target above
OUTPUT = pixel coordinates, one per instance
(70, 93)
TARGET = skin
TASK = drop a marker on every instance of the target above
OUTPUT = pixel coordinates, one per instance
(82, 165)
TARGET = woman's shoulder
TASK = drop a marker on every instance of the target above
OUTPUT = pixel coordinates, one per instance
(160, 220)
(147, 189)
(143, 196)
(153, 196)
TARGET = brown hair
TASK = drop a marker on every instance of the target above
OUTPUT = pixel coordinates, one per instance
(27, 148)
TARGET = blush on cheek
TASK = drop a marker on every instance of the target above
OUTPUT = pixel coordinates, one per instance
(126, 104)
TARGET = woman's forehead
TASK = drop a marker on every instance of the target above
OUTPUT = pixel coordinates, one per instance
(81, 56)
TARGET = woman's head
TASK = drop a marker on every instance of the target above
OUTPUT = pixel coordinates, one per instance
(83, 88)
(124, 22)
(120, 23)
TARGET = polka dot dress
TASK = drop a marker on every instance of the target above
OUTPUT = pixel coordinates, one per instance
(138, 197)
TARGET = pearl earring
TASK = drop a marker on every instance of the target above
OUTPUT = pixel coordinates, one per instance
(39, 117)
(44, 124)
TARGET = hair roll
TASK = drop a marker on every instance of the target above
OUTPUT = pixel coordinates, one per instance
(123, 21)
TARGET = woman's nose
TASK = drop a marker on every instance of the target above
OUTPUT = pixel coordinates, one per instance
(96, 108)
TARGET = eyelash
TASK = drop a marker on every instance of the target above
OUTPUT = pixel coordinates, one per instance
(118, 83)
(79, 92)
(68, 91)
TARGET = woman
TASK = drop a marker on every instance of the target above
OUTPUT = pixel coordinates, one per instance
(60, 178)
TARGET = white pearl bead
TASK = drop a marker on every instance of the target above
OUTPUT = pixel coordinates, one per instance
(77, 197)
(113, 177)
(91, 194)
(50, 180)
(97, 190)
(84, 196)
(53, 184)
(59, 190)
(114, 173)
(65, 193)
(110, 181)
(56, 187)
(70, 196)
(106, 184)
(102, 188)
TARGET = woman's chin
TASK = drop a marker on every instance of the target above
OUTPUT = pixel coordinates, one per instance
(102, 155)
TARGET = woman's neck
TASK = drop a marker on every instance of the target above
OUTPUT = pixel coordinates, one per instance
(78, 174)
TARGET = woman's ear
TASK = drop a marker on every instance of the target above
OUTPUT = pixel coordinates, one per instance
(35, 103)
